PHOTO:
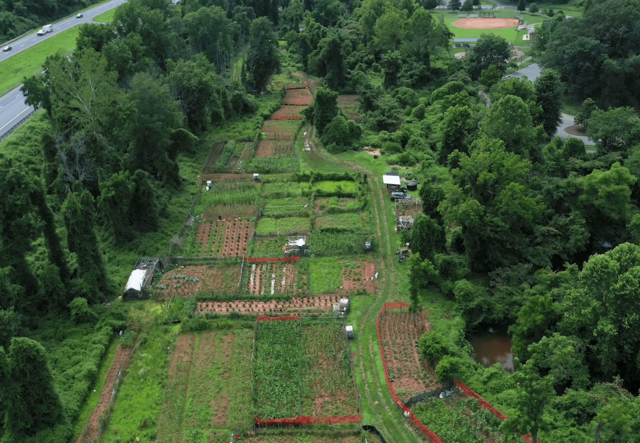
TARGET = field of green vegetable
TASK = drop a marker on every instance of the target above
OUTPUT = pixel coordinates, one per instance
(333, 187)
(339, 222)
(302, 368)
(329, 244)
(229, 198)
(285, 189)
(288, 206)
(459, 420)
(283, 226)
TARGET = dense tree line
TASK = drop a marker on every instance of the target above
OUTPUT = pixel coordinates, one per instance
(18, 17)
(598, 55)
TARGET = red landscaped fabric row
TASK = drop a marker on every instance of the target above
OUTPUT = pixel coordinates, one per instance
(405, 410)
(488, 406)
(304, 420)
(270, 259)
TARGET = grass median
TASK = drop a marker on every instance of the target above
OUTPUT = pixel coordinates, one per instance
(30, 61)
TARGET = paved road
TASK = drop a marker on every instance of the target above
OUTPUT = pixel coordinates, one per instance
(532, 72)
(34, 39)
(12, 105)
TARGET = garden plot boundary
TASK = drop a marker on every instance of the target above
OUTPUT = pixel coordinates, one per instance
(403, 408)
(304, 420)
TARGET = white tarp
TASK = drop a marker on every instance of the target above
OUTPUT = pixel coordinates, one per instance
(391, 180)
(299, 242)
(136, 279)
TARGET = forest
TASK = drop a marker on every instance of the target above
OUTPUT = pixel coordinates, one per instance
(519, 228)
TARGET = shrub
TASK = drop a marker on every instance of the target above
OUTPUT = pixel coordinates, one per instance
(80, 311)
(391, 148)
(448, 369)
(533, 8)
(433, 346)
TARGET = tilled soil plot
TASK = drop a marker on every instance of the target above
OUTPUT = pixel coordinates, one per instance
(120, 363)
(400, 333)
(327, 380)
(206, 279)
(359, 279)
(272, 278)
(236, 238)
(266, 148)
(289, 112)
(319, 304)
(297, 97)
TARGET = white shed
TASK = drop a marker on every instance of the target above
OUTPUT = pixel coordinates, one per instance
(133, 289)
(390, 179)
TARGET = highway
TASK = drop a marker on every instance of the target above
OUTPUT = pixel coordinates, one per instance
(12, 105)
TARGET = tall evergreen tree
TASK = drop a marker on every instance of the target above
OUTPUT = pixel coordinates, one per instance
(549, 91)
(78, 212)
(32, 401)
(263, 59)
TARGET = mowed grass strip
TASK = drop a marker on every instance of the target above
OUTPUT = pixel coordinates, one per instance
(29, 62)
(105, 17)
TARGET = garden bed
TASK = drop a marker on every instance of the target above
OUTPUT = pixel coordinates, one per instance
(409, 374)
(275, 279)
(225, 238)
(287, 206)
(344, 277)
(339, 222)
(285, 189)
(311, 305)
(329, 244)
(269, 148)
(459, 420)
(211, 365)
(336, 187)
(335, 205)
(300, 97)
(218, 278)
(283, 226)
(289, 113)
(302, 368)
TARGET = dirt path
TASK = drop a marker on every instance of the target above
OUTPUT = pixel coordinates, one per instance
(120, 363)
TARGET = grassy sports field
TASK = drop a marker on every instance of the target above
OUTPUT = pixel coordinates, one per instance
(30, 62)
(508, 33)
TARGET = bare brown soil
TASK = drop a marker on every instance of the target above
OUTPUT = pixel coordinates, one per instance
(576, 130)
(236, 238)
(120, 363)
(486, 23)
(297, 97)
(320, 303)
(266, 148)
(181, 359)
(289, 111)
(218, 279)
(400, 333)
(357, 280)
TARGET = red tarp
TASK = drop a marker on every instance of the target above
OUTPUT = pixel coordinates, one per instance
(304, 420)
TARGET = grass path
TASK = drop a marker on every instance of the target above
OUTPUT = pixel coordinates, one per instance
(376, 401)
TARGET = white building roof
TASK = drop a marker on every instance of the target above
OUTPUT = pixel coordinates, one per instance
(391, 180)
(136, 279)
(298, 242)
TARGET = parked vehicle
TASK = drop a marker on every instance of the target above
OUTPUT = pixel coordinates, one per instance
(6, 48)
(45, 29)
(400, 196)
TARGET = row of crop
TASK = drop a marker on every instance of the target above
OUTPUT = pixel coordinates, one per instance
(276, 370)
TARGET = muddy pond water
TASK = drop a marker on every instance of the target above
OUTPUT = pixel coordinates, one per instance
(492, 345)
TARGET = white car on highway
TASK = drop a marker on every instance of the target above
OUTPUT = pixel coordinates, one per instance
(6, 48)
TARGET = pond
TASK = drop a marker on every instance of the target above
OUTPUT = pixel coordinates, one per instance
(492, 345)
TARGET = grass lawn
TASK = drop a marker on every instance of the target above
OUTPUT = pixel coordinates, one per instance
(106, 17)
(326, 272)
(29, 62)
